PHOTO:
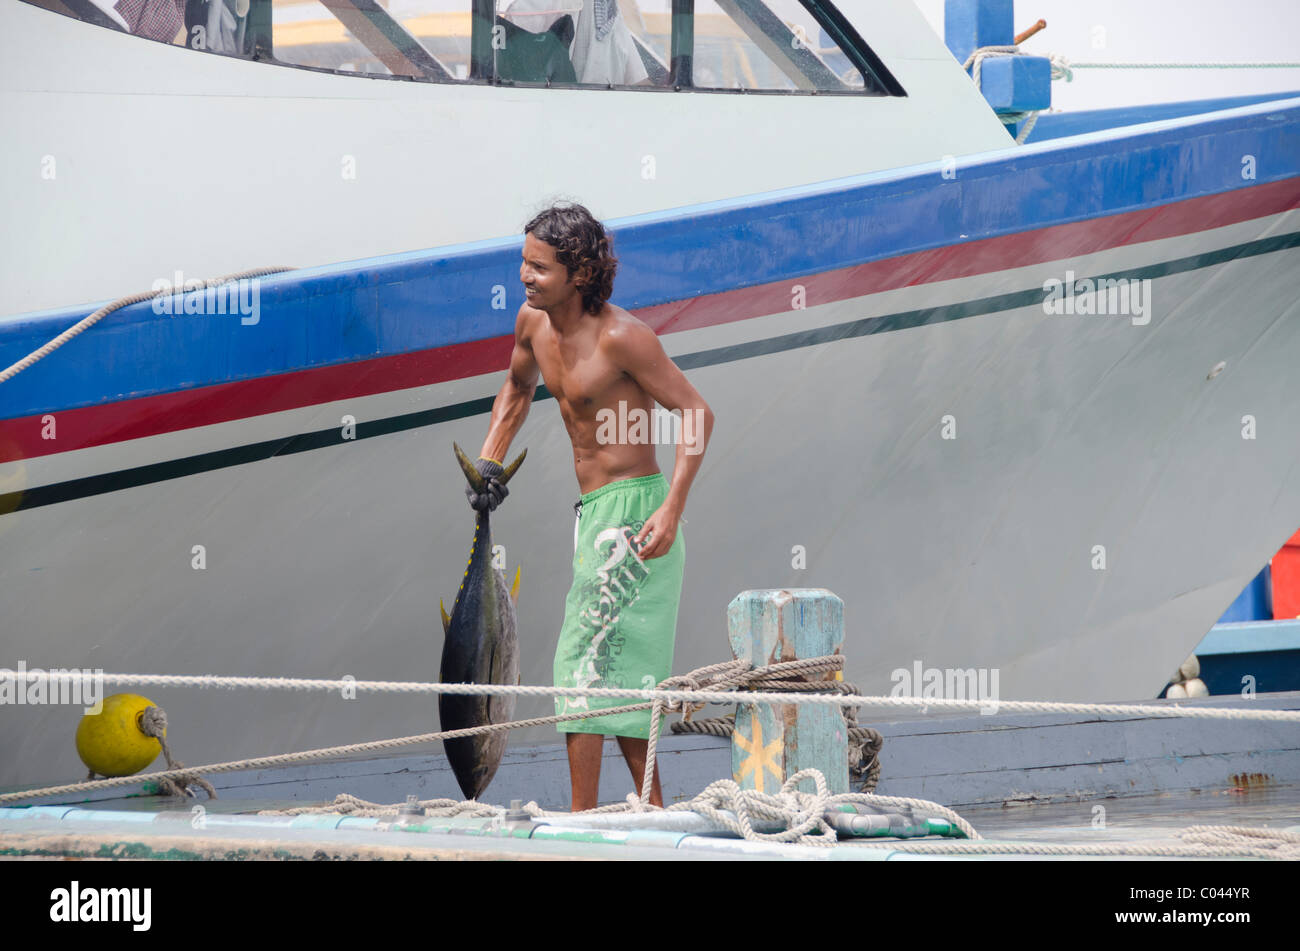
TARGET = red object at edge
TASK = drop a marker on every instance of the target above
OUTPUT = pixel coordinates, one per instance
(1286, 580)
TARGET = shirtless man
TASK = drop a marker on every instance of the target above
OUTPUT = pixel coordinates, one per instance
(620, 615)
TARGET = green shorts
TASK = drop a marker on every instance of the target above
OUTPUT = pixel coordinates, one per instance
(620, 617)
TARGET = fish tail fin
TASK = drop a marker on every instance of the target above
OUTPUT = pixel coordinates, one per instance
(476, 481)
(511, 469)
(446, 619)
(514, 588)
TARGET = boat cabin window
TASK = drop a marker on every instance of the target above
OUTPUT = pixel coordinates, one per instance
(760, 46)
(419, 39)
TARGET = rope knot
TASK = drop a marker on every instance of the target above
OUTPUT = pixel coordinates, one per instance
(975, 63)
(685, 707)
(153, 722)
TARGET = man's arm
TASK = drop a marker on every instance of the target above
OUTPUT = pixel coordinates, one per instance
(636, 350)
(512, 404)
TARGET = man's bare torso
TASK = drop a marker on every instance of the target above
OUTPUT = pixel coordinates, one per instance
(577, 369)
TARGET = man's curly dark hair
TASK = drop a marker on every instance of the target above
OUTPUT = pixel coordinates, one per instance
(583, 247)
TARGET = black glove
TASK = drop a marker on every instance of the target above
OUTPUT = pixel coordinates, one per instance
(494, 492)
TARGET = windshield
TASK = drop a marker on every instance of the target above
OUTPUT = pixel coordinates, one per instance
(765, 46)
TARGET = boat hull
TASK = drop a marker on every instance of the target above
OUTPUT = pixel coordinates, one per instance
(1068, 500)
(972, 552)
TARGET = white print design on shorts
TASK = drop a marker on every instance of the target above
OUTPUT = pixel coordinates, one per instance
(617, 584)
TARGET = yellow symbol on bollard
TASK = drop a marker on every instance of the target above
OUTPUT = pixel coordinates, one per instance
(111, 743)
(760, 757)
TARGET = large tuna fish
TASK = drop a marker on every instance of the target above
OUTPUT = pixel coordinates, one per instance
(482, 647)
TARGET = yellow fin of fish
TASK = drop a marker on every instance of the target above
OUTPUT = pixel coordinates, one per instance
(446, 619)
(514, 588)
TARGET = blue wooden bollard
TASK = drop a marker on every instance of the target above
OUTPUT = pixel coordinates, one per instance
(772, 742)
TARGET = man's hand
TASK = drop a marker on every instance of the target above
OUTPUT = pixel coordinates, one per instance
(661, 529)
(493, 493)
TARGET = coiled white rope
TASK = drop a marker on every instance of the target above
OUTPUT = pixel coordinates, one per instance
(722, 802)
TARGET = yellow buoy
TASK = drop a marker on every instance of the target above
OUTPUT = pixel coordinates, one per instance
(111, 743)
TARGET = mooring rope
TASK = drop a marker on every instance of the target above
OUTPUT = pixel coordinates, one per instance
(87, 322)
(728, 674)
(723, 802)
(1184, 65)
(1063, 69)
(285, 759)
(153, 722)
(670, 696)
(669, 699)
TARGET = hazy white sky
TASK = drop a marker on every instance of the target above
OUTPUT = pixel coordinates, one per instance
(1184, 31)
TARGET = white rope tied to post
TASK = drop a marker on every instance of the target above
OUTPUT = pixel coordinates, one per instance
(975, 63)
(89, 321)
(728, 674)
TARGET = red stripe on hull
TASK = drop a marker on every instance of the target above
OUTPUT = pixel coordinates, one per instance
(1056, 243)
(169, 412)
